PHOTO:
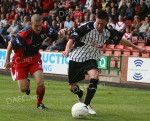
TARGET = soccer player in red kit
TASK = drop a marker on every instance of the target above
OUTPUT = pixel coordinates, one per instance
(27, 59)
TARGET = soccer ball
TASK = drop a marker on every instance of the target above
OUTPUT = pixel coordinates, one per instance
(79, 110)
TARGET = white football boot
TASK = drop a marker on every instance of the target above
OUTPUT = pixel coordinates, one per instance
(91, 111)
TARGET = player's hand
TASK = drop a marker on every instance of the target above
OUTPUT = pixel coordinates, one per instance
(7, 65)
(62, 32)
(142, 50)
(66, 53)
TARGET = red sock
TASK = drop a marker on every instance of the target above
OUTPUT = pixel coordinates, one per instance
(40, 91)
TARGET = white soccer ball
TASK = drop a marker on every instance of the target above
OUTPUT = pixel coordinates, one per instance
(79, 110)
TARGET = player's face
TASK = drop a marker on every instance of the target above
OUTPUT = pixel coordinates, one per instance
(100, 24)
(36, 27)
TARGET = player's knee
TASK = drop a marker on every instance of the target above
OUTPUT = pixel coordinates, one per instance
(74, 88)
(40, 84)
(23, 89)
(94, 76)
(93, 84)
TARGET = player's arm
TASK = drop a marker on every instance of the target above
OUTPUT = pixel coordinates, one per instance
(7, 62)
(68, 47)
(52, 35)
(128, 43)
(118, 37)
(46, 43)
(61, 33)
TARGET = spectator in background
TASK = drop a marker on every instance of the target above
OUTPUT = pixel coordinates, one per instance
(47, 5)
(25, 22)
(120, 25)
(49, 18)
(6, 5)
(59, 23)
(12, 30)
(68, 23)
(147, 2)
(130, 12)
(1, 28)
(136, 25)
(82, 5)
(122, 9)
(61, 12)
(7, 16)
(28, 7)
(114, 15)
(6, 26)
(85, 19)
(2, 10)
(19, 9)
(3, 18)
(143, 10)
(92, 17)
(113, 5)
(55, 9)
(145, 25)
(127, 34)
(77, 13)
(46, 23)
(144, 28)
(88, 4)
(2, 42)
(108, 10)
(111, 23)
(148, 37)
(60, 44)
(99, 4)
(55, 25)
(24, 13)
(68, 4)
(36, 8)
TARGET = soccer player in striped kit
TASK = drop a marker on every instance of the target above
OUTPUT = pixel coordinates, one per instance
(83, 49)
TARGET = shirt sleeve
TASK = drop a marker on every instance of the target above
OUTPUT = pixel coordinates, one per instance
(82, 30)
(18, 42)
(52, 33)
(115, 35)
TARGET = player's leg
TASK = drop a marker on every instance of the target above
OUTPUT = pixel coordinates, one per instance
(74, 88)
(21, 75)
(92, 87)
(37, 72)
(75, 74)
(40, 90)
(23, 85)
(93, 73)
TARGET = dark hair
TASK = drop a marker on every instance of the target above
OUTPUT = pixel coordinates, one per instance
(102, 15)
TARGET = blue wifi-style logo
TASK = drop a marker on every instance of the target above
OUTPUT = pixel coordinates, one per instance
(138, 63)
(138, 76)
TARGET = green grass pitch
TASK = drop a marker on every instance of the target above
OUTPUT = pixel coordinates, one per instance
(110, 103)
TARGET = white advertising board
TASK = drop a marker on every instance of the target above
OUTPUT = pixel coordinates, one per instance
(138, 70)
(53, 63)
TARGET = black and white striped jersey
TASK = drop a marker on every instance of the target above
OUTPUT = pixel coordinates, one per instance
(88, 42)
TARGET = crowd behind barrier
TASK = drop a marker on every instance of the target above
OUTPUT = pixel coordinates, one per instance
(131, 17)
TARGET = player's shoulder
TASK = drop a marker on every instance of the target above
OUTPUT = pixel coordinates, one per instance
(25, 32)
(89, 24)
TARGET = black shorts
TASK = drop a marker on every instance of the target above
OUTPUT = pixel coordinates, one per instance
(77, 70)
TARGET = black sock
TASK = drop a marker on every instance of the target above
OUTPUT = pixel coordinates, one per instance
(91, 91)
(78, 91)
